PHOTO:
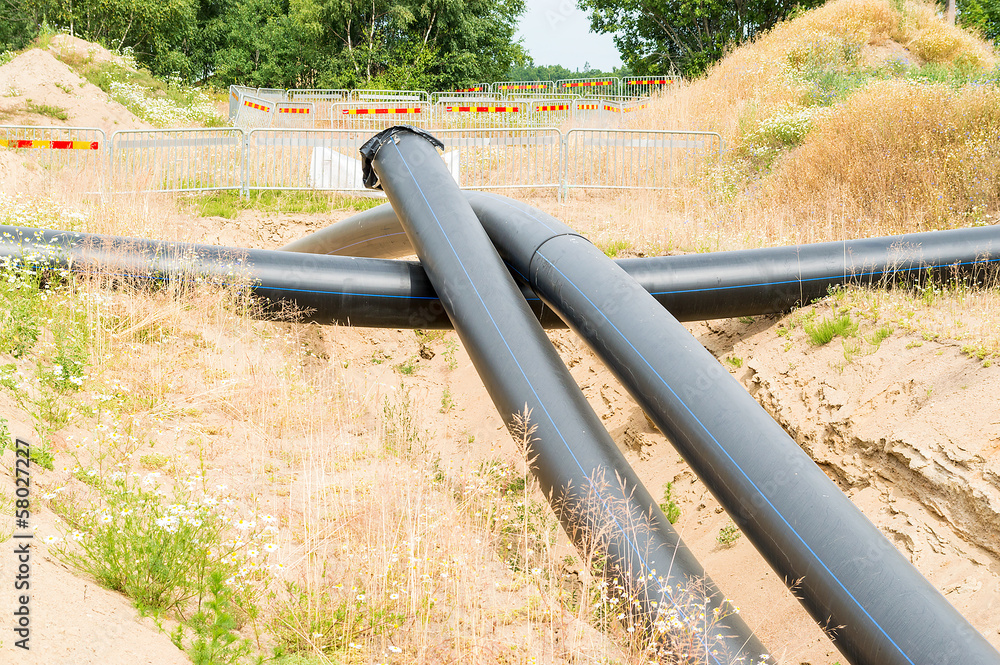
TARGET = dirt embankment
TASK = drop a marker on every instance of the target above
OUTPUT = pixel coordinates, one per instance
(37, 89)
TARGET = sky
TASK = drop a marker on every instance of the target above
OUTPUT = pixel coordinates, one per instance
(555, 32)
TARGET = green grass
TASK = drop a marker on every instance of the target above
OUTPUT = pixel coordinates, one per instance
(616, 248)
(228, 204)
(47, 110)
(826, 330)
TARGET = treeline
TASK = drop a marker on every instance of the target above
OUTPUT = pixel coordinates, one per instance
(409, 44)
(533, 72)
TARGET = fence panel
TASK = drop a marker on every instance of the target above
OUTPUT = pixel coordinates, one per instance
(503, 158)
(176, 160)
(360, 95)
(638, 87)
(274, 94)
(481, 114)
(551, 112)
(76, 154)
(375, 116)
(535, 88)
(255, 112)
(639, 159)
(295, 115)
(591, 87)
(475, 89)
(321, 159)
(236, 93)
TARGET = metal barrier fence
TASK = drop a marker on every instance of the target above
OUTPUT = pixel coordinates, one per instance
(389, 96)
(504, 158)
(638, 87)
(507, 88)
(323, 160)
(236, 93)
(76, 154)
(189, 160)
(374, 116)
(295, 115)
(479, 114)
(607, 88)
(254, 112)
(176, 160)
(274, 94)
(639, 159)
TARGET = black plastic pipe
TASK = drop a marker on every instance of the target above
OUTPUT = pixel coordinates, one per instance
(330, 289)
(750, 282)
(596, 495)
(396, 294)
(876, 606)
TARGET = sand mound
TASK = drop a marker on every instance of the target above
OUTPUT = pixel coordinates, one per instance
(67, 47)
(37, 89)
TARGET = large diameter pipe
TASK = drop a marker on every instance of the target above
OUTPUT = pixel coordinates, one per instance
(873, 603)
(600, 502)
(330, 289)
(750, 282)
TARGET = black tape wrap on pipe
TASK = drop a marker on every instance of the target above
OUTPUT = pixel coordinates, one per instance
(847, 574)
(596, 495)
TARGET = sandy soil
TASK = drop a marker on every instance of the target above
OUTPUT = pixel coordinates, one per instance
(38, 77)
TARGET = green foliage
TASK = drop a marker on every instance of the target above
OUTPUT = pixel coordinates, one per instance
(450, 346)
(685, 36)
(303, 43)
(47, 110)
(5, 439)
(228, 203)
(529, 71)
(31, 300)
(159, 32)
(617, 247)
(382, 44)
(824, 331)
(728, 535)
(447, 401)
(980, 15)
(214, 625)
(163, 556)
(669, 506)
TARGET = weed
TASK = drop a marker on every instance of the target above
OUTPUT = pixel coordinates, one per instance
(447, 401)
(450, 346)
(164, 557)
(824, 331)
(407, 367)
(400, 431)
(215, 640)
(880, 335)
(4, 435)
(153, 461)
(669, 506)
(48, 110)
(616, 248)
(734, 361)
(728, 535)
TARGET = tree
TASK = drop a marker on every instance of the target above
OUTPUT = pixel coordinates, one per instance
(982, 15)
(686, 36)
